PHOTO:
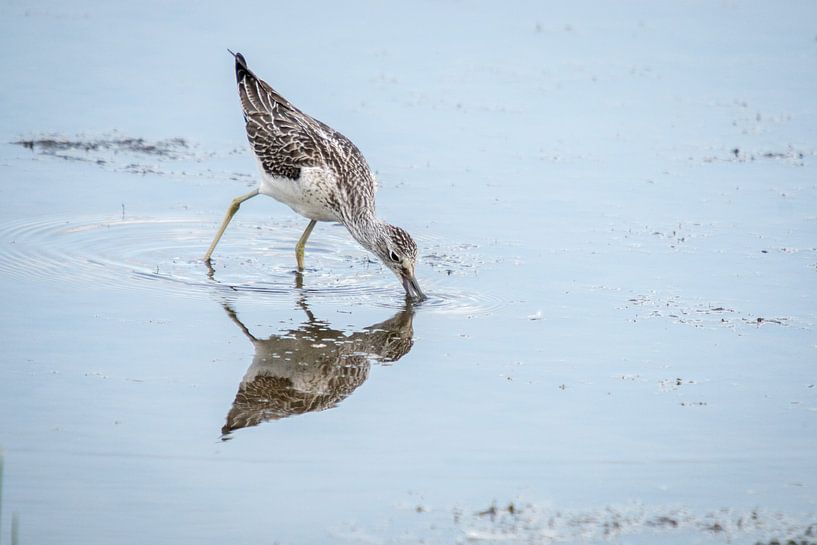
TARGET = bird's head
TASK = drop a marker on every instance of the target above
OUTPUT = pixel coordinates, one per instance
(398, 251)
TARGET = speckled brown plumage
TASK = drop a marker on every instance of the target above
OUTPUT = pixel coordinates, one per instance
(286, 140)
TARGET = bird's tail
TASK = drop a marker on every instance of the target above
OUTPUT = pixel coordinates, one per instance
(254, 92)
(241, 68)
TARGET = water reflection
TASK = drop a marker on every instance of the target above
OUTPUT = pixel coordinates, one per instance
(313, 367)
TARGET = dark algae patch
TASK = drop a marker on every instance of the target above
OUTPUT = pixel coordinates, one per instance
(532, 523)
(120, 153)
(171, 148)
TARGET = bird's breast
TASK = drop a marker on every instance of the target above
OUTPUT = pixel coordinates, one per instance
(314, 194)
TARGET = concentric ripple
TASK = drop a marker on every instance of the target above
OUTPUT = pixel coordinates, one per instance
(165, 254)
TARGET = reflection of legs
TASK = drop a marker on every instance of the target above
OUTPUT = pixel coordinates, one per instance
(230, 213)
(234, 317)
(299, 248)
(305, 308)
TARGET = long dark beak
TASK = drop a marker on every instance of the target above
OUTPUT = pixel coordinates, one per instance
(412, 288)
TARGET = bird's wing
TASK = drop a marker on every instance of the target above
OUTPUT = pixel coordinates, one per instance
(284, 138)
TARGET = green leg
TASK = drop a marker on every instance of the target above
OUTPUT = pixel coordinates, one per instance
(234, 206)
(299, 248)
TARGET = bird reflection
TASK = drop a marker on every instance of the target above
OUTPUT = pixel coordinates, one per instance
(313, 367)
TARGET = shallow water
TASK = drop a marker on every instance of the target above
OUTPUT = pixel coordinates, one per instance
(616, 208)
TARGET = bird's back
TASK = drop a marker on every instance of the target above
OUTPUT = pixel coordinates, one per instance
(292, 145)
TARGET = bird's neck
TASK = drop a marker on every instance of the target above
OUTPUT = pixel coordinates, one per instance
(366, 228)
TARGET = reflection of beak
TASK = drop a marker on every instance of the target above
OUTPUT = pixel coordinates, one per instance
(411, 286)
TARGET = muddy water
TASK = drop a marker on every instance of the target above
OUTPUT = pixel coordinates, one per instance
(616, 216)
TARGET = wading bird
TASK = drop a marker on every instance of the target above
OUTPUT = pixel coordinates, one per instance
(317, 172)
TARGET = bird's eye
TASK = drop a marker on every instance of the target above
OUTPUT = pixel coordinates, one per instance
(393, 256)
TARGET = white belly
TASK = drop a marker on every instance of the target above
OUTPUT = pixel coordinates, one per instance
(309, 195)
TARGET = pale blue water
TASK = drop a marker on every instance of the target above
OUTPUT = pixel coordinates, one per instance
(596, 252)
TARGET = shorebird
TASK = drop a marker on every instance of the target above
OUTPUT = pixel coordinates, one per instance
(318, 173)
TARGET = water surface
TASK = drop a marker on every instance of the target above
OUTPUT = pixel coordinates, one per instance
(617, 213)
